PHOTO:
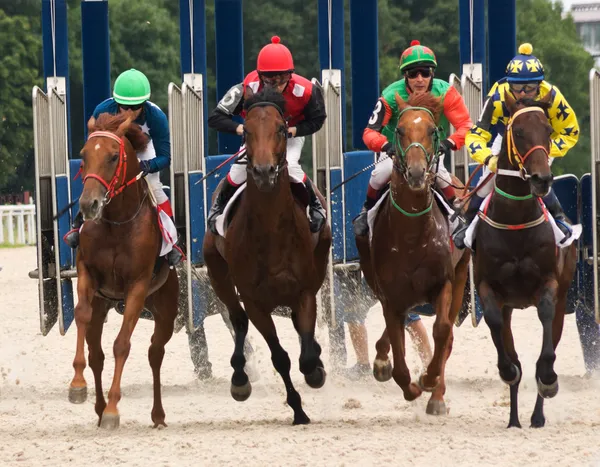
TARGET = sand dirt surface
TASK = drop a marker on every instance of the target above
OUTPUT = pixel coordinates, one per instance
(365, 423)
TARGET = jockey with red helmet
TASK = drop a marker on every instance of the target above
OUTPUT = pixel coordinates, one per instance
(305, 113)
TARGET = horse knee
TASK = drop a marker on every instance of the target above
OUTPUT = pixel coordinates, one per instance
(281, 361)
(83, 313)
(121, 347)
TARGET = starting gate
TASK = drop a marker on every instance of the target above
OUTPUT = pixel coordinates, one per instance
(53, 192)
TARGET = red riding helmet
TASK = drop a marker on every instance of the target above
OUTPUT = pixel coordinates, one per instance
(274, 57)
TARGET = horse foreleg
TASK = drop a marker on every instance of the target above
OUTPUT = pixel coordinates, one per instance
(442, 327)
(546, 378)
(83, 316)
(382, 367)
(509, 372)
(134, 303)
(509, 344)
(164, 303)
(394, 323)
(263, 322)
(96, 355)
(305, 320)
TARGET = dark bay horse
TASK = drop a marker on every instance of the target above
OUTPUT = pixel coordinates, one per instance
(117, 260)
(517, 263)
(269, 255)
(411, 260)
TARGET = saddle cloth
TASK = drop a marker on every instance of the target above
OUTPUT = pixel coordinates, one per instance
(559, 236)
(221, 222)
(372, 214)
(167, 227)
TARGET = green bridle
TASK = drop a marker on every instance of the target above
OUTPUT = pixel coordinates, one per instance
(401, 152)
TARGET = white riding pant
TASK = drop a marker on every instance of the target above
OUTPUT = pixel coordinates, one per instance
(153, 179)
(382, 173)
(238, 174)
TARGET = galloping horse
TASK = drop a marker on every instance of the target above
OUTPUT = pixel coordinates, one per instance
(118, 259)
(411, 260)
(517, 262)
(270, 255)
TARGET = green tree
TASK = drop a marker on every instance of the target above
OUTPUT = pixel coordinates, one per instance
(20, 50)
(566, 63)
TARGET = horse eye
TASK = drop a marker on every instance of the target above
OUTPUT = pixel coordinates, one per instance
(114, 158)
(519, 133)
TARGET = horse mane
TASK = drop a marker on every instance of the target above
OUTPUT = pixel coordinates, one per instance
(428, 101)
(108, 122)
(267, 94)
(528, 102)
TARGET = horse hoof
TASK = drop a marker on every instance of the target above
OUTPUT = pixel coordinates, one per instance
(241, 393)
(77, 395)
(547, 391)
(537, 422)
(436, 407)
(317, 378)
(514, 424)
(412, 392)
(516, 379)
(382, 370)
(426, 388)
(110, 421)
(301, 418)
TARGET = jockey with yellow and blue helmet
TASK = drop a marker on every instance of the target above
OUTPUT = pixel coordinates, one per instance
(524, 80)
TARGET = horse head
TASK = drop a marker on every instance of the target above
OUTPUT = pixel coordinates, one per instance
(527, 142)
(417, 138)
(109, 159)
(265, 133)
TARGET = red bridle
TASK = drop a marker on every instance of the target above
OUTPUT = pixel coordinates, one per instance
(117, 183)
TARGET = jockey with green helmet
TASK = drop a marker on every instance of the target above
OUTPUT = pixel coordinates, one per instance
(417, 64)
(304, 112)
(524, 80)
(132, 92)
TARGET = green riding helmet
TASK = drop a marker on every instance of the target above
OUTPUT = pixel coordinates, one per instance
(131, 88)
(417, 55)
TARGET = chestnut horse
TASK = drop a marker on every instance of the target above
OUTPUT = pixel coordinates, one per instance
(517, 263)
(411, 260)
(270, 255)
(117, 259)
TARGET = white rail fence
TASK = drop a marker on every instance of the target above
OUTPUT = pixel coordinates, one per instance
(17, 224)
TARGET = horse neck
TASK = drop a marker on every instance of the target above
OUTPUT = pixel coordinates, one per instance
(269, 207)
(412, 202)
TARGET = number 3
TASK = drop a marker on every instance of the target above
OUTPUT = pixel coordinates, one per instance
(375, 114)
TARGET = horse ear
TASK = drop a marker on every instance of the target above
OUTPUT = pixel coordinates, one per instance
(123, 127)
(248, 93)
(91, 124)
(510, 102)
(401, 103)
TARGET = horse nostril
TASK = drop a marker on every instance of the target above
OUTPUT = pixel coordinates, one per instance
(94, 206)
(271, 169)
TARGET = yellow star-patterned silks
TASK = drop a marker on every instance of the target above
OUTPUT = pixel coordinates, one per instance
(516, 66)
(533, 65)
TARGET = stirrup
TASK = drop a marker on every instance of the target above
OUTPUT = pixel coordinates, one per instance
(317, 219)
(71, 238)
(175, 256)
(361, 223)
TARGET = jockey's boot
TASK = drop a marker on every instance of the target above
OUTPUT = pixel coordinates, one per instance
(218, 206)
(316, 210)
(553, 205)
(360, 222)
(71, 238)
(174, 256)
(460, 232)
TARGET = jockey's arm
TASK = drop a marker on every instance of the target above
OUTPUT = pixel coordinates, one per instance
(314, 113)
(457, 114)
(478, 138)
(564, 123)
(161, 139)
(372, 136)
(232, 103)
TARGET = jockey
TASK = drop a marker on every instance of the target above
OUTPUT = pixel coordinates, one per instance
(131, 92)
(524, 80)
(418, 65)
(305, 113)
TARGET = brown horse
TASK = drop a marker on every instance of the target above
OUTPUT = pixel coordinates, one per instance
(117, 260)
(517, 263)
(410, 260)
(269, 255)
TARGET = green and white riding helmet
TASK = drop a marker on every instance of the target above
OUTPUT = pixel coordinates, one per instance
(417, 55)
(131, 88)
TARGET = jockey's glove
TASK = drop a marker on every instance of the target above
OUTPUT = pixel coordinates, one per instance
(446, 146)
(389, 149)
(145, 168)
(492, 163)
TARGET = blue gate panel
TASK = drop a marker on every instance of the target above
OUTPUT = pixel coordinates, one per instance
(196, 218)
(355, 193)
(566, 188)
(337, 217)
(68, 307)
(76, 185)
(211, 182)
(64, 221)
(586, 210)
(477, 176)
